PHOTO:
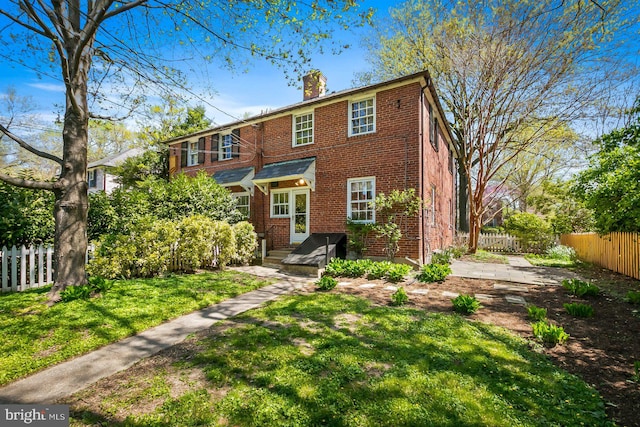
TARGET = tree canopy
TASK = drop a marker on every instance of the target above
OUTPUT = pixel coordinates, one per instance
(610, 186)
(113, 54)
(501, 67)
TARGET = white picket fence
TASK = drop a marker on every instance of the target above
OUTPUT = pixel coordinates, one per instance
(496, 242)
(25, 268)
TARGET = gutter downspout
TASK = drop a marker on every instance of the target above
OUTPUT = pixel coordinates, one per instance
(421, 168)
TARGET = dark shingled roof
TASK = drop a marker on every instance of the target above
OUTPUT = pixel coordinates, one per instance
(231, 176)
(292, 167)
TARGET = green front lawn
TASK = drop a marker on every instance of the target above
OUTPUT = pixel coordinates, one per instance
(35, 336)
(332, 359)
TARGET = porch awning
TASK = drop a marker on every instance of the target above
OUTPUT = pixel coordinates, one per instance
(303, 169)
(238, 176)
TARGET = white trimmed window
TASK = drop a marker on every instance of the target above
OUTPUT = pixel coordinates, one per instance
(362, 116)
(192, 154)
(226, 147)
(280, 204)
(303, 129)
(91, 178)
(361, 193)
(242, 203)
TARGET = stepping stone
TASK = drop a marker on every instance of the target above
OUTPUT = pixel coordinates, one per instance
(512, 288)
(391, 288)
(515, 299)
(344, 283)
(419, 291)
(449, 294)
(368, 286)
(484, 297)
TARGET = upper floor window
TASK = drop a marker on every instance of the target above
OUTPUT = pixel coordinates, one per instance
(192, 153)
(303, 129)
(91, 178)
(226, 146)
(361, 193)
(362, 116)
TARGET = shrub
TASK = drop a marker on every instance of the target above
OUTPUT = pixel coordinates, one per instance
(580, 288)
(99, 284)
(348, 268)
(579, 310)
(536, 313)
(560, 252)
(457, 251)
(378, 270)
(534, 232)
(433, 273)
(548, 333)
(443, 258)
(357, 236)
(326, 283)
(465, 304)
(75, 292)
(246, 242)
(144, 252)
(196, 243)
(399, 297)
(633, 297)
(397, 272)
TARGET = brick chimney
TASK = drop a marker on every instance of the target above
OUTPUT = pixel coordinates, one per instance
(314, 85)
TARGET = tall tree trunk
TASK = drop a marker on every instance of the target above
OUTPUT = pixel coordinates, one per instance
(463, 199)
(71, 204)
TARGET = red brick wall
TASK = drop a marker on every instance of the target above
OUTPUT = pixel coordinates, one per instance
(391, 154)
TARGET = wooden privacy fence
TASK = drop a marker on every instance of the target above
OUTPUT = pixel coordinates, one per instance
(496, 242)
(25, 268)
(619, 252)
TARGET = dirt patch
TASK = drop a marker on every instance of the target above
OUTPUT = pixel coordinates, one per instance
(601, 350)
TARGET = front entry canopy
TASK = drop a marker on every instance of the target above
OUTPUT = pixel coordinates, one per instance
(239, 176)
(303, 169)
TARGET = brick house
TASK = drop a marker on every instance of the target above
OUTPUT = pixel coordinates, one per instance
(307, 167)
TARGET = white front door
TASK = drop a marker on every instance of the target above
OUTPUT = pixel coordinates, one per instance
(299, 215)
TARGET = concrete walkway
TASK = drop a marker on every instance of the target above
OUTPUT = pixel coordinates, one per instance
(518, 270)
(69, 377)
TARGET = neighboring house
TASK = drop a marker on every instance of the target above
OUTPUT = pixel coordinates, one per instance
(306, 168)
(99, 177)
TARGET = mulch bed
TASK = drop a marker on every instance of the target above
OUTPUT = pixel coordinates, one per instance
(601, 349)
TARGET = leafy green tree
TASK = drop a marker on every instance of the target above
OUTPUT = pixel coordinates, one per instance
(392, 213)
(610, 186)
(566, 213)
(501, 67)
(25, 216)
(78, 40)
(550, 156)
(137, 168)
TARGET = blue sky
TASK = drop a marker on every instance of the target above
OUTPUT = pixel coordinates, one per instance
(262, 87)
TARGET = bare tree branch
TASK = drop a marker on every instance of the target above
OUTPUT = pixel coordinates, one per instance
(27, 183)
(29, 148)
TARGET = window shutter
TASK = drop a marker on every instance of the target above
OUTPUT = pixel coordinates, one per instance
(215, 143)
(235, 147)
(183, 155)
(201, 150)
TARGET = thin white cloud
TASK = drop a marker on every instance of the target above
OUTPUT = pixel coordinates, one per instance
(49, 87)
